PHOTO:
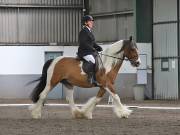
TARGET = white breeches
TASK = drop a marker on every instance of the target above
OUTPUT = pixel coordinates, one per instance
(89, 58)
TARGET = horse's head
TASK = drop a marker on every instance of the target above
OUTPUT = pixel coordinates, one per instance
(131, 52)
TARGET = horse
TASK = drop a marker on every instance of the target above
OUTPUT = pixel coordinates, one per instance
(69, 71)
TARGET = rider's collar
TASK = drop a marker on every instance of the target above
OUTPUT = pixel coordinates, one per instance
(88, 28)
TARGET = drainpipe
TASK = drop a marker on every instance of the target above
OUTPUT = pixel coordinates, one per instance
(152, 49)
(85, 7)
(178, 47)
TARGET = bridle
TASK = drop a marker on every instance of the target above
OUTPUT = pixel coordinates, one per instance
(124, 58)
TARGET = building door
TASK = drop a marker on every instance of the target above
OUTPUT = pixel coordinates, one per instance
(57, 92)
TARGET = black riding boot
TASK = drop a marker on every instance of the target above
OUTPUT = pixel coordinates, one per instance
(92, 79)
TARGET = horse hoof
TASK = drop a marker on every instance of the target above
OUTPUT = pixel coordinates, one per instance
(36, 115)
(123, 112)
(35, 112)
(87, 115)
(126, 113)
(79, 114)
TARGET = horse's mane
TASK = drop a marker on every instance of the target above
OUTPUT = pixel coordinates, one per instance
(112, 51)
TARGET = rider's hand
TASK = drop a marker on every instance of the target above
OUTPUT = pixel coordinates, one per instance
(99, 48)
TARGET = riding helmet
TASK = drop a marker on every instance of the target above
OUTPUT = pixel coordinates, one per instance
(87, 18)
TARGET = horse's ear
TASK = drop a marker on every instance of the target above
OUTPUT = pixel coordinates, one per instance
(130, 38)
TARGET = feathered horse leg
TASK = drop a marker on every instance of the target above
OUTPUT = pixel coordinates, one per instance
(76, 112)
(88, 108)
(120, 110)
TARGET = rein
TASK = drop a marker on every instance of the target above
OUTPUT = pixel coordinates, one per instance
(115, 57)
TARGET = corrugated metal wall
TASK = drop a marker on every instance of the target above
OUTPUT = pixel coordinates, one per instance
(46, 21)
(40, 21)
(165, 44)
(43, 2)
(113, 18)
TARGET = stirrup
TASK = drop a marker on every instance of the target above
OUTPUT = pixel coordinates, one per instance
(96, 84)
(93, 82)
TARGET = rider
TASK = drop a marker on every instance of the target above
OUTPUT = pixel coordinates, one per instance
(88, 47)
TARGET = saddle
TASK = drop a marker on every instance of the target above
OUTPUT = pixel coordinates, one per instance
(90, 69)
(88, 66)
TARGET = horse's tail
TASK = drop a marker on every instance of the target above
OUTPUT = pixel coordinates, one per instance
(41, 85)
(33, 81)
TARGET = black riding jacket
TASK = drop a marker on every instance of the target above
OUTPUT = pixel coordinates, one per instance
(87, 44)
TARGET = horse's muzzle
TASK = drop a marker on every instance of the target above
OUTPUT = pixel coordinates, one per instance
(136, 63)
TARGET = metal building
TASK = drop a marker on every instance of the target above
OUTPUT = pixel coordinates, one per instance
(157, 21)
(115, 20)
(32, 31)
(165, 41)
(112, 17)
(40, 21)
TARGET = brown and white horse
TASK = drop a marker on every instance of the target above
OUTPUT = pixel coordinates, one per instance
(68, 70)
